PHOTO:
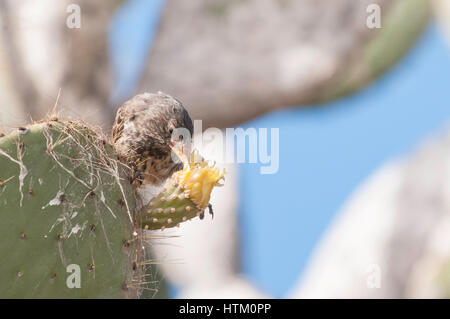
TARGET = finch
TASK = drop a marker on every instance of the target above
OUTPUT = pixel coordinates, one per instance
(143, 136)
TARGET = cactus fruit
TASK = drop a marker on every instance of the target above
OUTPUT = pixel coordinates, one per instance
(71, 226)
(184, 196)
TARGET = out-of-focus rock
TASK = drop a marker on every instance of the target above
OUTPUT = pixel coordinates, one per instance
(233, 287)
(391, 239)
(234, 60)
(46, 57)
(229, 60)
(441, 9)
(11, 111)
(430, 276)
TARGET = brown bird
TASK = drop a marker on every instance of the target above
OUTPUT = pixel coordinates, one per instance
(143, 137)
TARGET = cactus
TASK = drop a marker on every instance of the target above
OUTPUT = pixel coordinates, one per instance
(65, 203)
(71, 226)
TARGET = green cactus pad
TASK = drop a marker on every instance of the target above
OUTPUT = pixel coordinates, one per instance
(65, 203)
(70, 223)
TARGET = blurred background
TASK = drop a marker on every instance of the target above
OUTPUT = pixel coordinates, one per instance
(359, 90)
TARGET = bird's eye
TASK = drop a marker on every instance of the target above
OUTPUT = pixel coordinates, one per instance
(171, 130)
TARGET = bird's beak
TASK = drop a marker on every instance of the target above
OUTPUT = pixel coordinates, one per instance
(182, 150)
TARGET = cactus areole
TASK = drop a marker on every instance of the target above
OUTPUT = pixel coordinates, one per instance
(71, 226)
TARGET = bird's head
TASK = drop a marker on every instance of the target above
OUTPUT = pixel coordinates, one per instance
(152, 125)
(170, 122)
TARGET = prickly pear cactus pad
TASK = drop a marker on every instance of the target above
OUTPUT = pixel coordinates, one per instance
(184, 196)
(66, 208)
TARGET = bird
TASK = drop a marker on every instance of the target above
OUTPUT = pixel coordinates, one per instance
(143, 137)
